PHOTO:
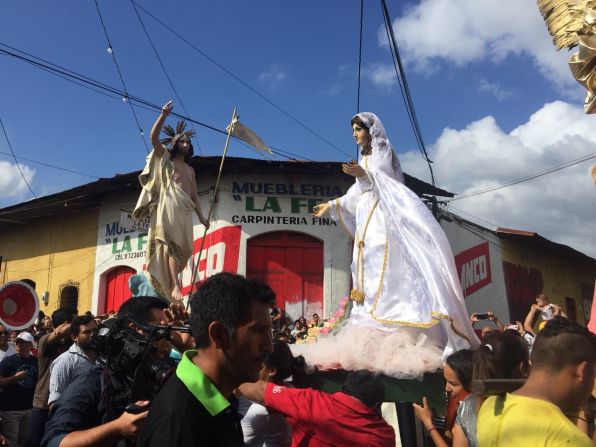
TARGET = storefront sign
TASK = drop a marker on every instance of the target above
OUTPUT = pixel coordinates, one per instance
(220, 254)
(473, 268)
(128, 223)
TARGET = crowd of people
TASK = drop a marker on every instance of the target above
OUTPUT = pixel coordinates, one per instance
(232, 383)
(520, 387)
(294, 331)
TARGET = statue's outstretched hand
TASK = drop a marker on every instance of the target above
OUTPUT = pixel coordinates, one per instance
(167, 108)
(353, 169)
(320, 209)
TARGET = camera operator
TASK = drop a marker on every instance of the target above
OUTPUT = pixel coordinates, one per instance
(90, 412)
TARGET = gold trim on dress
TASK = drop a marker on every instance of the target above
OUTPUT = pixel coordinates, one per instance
(436, 316)
(357, 294)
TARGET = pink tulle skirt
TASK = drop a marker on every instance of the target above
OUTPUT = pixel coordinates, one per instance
(405, 353)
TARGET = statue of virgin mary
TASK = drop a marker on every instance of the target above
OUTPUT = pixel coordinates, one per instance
(408, 311)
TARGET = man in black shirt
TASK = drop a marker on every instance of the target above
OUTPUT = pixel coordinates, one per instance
(231, 325)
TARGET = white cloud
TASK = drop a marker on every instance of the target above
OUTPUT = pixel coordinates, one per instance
(381, 75)
(559, 206)
(466, 31)
(494, 89)
(344, 80)
(12, 184)
(274, 77)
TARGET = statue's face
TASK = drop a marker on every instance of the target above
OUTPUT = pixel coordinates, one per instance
(360, 134)
(184, 145)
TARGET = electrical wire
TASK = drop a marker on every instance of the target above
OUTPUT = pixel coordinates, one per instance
(405, 89)
(126, 95)
(360, 57)
(114, 93)
(235, 77)
(53, 166)
(359, 64)
(163, 67)
(526, 178)
(15, 158)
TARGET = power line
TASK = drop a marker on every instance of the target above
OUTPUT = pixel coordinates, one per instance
(359, 64)
(405, 89)
(472, 215)
(526, 178)
(125, 98)
(15, 159)
(252, 89)
(112, 92)
(100, 87)
(54, 166)
(163, 67)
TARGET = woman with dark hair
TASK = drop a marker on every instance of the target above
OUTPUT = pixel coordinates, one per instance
(502, 355)
(260, 427)
(408, 313)
(458, 381)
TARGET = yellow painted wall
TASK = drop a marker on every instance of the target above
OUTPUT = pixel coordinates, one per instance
(562, 276)
(52, 252)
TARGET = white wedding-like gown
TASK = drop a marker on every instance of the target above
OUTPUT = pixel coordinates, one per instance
(408, 312)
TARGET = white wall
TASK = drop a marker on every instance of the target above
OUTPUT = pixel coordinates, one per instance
(492, 296)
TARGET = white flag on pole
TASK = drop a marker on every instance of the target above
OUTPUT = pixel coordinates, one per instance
(243, 133)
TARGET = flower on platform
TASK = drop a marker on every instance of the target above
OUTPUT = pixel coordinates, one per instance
(332, 320)
(325, 330)
(343, 301)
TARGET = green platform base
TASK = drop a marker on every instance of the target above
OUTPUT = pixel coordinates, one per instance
(432, 387)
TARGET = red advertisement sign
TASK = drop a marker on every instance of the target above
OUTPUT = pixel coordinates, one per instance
(220, 254)
(473, 268)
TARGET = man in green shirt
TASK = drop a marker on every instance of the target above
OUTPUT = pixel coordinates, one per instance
(232, 328)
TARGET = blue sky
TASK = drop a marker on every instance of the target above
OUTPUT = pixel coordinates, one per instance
(495, 101)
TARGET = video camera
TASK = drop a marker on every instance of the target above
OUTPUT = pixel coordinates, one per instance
(129, 356)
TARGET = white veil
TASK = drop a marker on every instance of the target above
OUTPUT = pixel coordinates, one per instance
(382, 156)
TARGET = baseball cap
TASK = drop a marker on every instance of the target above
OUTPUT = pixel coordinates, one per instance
(25, 336)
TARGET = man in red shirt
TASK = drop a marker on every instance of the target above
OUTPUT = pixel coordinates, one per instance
(348, 418)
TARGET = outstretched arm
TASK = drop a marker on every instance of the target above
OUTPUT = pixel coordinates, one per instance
(254, 391)
(424, 414)
(529, 321)
(156, 129)
(127, 426)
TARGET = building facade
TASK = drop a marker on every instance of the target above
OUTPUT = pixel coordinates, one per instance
(83, 240)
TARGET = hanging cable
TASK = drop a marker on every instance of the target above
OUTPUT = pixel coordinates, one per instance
(360, 56)
(252, 89)
(15, 159)
(113, 92)
(163, 67)
(405, 90)
(526, 178)
(125, 98)
(53, 166)
(359, 64)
